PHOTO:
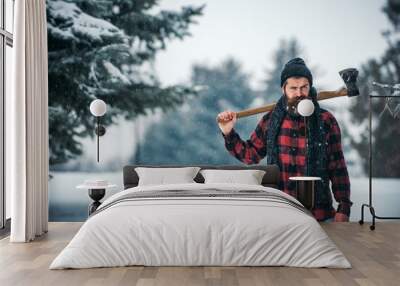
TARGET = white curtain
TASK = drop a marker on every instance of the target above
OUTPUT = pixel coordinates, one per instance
(27, 122)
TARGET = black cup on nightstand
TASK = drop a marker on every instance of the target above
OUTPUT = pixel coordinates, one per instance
(305, 190)
(96, 195)
(96, 190)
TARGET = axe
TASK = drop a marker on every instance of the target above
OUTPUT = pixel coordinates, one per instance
(349, 77)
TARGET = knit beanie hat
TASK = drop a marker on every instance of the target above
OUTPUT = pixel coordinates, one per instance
(296, 67)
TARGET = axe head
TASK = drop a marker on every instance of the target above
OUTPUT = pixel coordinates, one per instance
(349, 77)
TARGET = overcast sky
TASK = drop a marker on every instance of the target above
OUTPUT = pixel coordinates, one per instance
(335, 34)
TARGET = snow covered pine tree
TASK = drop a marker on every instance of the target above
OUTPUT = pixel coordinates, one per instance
(104, 49)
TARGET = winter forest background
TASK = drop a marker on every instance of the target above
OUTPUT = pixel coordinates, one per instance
(162, 105)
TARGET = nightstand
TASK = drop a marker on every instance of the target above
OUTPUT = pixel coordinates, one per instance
(96, 191)
(305, 190)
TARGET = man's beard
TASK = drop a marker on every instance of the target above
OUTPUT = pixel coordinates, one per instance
(291, 106)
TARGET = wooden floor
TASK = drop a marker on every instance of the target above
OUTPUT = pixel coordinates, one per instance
(374, 255)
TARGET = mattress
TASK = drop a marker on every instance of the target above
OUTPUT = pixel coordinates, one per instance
(201, 225)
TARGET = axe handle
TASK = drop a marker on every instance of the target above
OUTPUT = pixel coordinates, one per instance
(322, 95)
(257, 110)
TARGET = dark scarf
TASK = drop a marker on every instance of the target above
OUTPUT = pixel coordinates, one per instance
(317, 146)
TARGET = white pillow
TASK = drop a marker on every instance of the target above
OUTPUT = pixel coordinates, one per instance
(249, 177)
(163, 176)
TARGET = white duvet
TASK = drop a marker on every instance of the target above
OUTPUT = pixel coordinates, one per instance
(200, 231)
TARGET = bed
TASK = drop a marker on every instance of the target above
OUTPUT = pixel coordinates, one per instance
(201, 224)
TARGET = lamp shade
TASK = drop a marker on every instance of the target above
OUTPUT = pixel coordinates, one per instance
(98, 107)
(305, 107)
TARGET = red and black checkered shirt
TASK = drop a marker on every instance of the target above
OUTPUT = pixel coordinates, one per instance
(292, 155)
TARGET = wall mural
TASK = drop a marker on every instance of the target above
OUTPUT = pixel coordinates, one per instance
(165, 69)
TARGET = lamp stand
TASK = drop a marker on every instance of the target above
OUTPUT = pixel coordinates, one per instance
(100, 130)
(306, 138)
(98, 138)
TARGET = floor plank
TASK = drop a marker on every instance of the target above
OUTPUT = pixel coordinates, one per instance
(374, 255)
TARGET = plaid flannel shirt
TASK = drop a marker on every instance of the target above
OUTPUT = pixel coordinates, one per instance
(292, 156)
